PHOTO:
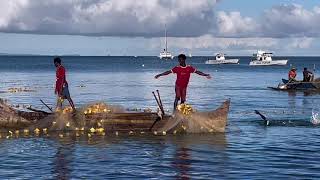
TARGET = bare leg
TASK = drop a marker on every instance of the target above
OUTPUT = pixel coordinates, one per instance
(59, 103)
(175, 104)
(71, 104)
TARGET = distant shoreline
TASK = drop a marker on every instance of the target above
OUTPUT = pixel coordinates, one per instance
(77, 55)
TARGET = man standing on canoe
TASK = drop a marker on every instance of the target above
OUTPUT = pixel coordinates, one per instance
(61, 90)
(183, 72)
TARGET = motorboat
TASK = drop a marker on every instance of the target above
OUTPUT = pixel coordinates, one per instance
(262, 58)
(220, 59)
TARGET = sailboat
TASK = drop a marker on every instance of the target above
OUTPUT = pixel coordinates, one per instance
(165, 54)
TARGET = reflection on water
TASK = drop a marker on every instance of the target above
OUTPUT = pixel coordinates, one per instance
(184, 148)
(182, 163)
(63, 160)
(99, 156)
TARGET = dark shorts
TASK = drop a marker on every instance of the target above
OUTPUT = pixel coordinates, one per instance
(181, 93)
(65, 92)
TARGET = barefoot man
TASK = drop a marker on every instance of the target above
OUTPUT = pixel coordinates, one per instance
(183, 72)
(61, 90)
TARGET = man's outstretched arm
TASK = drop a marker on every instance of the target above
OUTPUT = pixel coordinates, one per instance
(163, 74)
(203, 74)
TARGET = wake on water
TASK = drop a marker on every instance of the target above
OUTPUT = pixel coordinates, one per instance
(315, 118)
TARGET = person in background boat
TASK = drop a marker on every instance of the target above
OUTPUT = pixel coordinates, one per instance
(307, 75)
(183, 72)
(292, 75)
(61, 90)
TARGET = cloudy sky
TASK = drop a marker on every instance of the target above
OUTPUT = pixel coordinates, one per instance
(130, 27)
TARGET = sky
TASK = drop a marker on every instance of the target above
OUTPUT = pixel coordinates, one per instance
(129, 27)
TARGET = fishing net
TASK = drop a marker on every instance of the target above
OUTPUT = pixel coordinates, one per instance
(188, 120)
(9, 117)
(66, 119)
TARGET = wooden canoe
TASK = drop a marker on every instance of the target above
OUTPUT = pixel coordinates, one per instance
(298, 86)
(13, 119)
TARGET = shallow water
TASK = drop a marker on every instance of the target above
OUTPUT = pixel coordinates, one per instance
(286, 149)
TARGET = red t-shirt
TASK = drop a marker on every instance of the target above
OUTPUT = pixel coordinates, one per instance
(183, 74)
(61, 78)
(292, 75)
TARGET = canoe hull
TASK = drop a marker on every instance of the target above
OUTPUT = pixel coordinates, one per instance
(11, 119)
(297, 86)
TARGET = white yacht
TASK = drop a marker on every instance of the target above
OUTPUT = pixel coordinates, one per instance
(262, 58)
(165, 54)
(220, 59)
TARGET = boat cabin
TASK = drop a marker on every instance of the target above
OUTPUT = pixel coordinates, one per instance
(262, 56)
(220, 56)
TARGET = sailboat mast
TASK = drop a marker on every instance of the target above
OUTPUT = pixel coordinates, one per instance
(165, 33)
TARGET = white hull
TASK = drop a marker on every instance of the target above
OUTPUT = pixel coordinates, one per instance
(226, 61)
(269, 63)
(168, 56)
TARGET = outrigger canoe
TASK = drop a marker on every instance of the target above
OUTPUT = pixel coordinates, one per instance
(297, 86)
(13, 119)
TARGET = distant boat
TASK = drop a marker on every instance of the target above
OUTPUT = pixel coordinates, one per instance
(220, 59)
(262, 58)
(165, 54)
(190, 55)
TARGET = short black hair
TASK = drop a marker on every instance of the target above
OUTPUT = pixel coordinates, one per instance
(57, 60)
(305, 68)
(182, 56)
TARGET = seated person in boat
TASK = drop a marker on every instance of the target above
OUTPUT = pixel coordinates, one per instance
(307, 75)
(61, 90)
(183, 72)
(292, 75)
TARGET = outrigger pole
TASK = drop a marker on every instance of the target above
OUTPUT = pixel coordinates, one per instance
(159, 102)
(46, 105)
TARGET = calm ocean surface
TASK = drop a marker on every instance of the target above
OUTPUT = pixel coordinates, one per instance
(288, 149)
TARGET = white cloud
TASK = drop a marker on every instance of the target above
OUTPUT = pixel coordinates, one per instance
(291, 20)
(234, 25)
(301, 43)
(107, 17)
(146, 18)
(280, 21)
(210, 43)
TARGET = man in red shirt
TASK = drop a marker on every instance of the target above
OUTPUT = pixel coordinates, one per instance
(183, 72)
(292, 75)
(61, 90)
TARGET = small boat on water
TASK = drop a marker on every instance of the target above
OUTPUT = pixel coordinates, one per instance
(220, 59)
(298, 86)
(262, 58)
(13, 120)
